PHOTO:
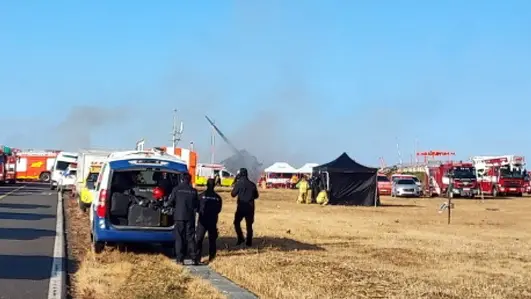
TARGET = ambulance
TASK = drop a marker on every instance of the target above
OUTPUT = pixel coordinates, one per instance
(216, 171)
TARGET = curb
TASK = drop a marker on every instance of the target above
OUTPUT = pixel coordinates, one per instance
(57, 287)
(224, 285)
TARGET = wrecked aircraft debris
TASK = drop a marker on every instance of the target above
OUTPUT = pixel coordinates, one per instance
(240, 158)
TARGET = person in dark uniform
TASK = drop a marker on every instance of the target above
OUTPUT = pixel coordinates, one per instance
(184, 199)
(247, 193)
(210, 205)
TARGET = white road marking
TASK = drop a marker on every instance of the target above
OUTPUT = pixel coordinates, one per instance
(56, 289)
(11, 192)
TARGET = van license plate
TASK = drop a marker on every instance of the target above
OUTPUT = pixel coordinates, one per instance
(466, 189)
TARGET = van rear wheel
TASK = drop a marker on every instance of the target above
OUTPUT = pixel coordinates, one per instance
(122, 247)
(97, 246)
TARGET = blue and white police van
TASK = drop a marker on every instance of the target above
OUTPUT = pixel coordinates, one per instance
(130, 203)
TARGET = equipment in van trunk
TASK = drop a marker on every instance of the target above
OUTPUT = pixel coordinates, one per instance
(144, 216)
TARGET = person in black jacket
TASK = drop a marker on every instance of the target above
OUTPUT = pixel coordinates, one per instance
(247, 193)
(184, 200)
(210, 205)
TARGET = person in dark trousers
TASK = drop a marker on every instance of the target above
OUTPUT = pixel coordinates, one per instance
(247, 193)
(210, 205)
(184, 200)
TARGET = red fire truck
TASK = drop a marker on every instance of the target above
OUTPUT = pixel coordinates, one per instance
(527, 182)
(8, 164)
(453, 179)
(501, 175)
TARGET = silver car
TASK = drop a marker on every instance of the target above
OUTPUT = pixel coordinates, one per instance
(405, 188)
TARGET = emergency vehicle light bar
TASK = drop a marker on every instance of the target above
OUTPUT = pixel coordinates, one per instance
(148, 162)
(214, 166)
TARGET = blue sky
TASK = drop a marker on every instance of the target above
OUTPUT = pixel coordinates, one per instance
(300, 81)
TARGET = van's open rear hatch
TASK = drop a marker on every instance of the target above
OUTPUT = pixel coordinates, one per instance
(138, 198)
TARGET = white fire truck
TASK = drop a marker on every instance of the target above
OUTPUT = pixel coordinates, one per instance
(500, 175)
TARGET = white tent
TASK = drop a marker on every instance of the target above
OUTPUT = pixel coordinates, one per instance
(280, 167)
(307, 168)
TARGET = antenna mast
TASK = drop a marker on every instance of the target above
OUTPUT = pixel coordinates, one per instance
(176, 133)
(398, 151)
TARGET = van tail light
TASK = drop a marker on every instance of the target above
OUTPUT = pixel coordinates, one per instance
(102, 208)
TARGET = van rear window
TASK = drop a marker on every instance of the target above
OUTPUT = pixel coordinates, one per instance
(145, 177)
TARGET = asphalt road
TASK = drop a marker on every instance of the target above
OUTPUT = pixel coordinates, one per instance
(27, 235)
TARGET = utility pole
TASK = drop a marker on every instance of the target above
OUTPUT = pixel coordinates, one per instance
(416, 150)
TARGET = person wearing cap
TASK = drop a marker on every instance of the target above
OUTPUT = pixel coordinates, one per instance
(210, 205)
(247, 193)
(184, 200)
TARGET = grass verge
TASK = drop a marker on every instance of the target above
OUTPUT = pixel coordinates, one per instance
(117, 275)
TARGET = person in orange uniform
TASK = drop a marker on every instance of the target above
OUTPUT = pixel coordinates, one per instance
(293, 181)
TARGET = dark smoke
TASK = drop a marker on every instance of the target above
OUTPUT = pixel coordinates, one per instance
(76, 130)
(244, 159)
(73, 132)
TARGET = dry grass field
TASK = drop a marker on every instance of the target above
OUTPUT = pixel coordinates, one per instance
(404, 249)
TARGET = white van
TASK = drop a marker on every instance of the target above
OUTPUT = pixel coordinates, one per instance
(67, 180)
(62, 161)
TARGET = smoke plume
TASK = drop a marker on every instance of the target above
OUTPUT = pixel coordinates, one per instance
(73, 132)
(76, 130)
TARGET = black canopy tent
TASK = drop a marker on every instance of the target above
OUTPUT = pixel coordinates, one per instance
(349, 182)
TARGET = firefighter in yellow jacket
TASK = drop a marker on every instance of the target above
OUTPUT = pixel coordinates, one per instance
(322, 197)
(303, 186)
